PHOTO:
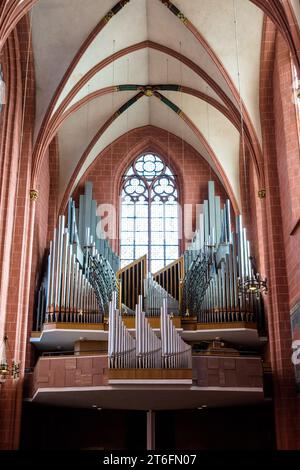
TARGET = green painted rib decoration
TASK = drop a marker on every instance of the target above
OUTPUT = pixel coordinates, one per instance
(168, 87)
(175, 10)
(145, 92)
(128, 87)
(167, 102)
(129, 103)
(147, 88)
(115, 10)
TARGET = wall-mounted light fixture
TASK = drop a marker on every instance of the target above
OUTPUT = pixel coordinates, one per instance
(7, 370)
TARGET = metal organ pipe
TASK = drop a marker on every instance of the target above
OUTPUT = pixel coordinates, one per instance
(175, 352)
(212, 276)
(121, 345)
(154, 297)
(147, 350)
(68, 289)
(79, 280)
(148, 345)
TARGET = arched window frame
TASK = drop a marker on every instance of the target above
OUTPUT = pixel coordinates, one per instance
(160, 205)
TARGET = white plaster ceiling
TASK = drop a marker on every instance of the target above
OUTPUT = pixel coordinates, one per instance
(136, 116)
(165, 69)
(218, 131)
(164, 118)
(60, 28)
(77, 131)
(238, 52)
(153, 112)
(296, 7)
(142, 20)
(143, 67)
(132, 68)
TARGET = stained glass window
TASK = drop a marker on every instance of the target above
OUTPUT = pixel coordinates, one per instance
(149, 214)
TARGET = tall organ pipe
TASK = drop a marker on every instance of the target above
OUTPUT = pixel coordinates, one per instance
(213, 271)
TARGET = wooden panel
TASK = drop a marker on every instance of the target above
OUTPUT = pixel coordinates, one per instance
(131, 279)
(153, 321)
(148, 374)
(73, 326)
(90, 348)
(171, 277)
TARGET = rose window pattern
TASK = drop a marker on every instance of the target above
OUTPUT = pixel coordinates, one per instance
(149, 213)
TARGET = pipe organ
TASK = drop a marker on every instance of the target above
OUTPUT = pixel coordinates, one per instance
(70, 295)
(209, 223)
(131, 279)
(155, 295)
(80, 280)
(121, 344)
(148, 345)
(101, 277)
(83, 276)
(176, 354)
(146, 350)
(134, 280)
(89, 227)
(217, 261)
(171, 277)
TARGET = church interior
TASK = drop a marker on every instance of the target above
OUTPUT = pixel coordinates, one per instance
(149, 225)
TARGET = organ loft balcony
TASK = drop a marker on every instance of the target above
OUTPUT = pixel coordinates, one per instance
(85, 380)
(117, 337)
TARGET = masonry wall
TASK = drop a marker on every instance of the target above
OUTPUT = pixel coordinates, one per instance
(18, 222)
(193, 172)
(286, 115)
(275, 223)
(53, 187)
(39, 248)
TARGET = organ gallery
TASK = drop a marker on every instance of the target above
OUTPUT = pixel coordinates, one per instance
(149, 255)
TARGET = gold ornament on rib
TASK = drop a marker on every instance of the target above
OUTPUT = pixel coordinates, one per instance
(262, 193)
(33, 194)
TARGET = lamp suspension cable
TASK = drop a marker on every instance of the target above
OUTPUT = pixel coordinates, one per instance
(112, 105)
(181, 106)
(240, 105)
(254, 284)
(182, 237)
(16, 360)
(127, 157)
(208, 133)
(26, 79)
(114, 91)
(88, 114)
(127, 116)
(169, 114)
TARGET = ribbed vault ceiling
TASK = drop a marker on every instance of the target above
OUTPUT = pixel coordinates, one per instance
(151, 46)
